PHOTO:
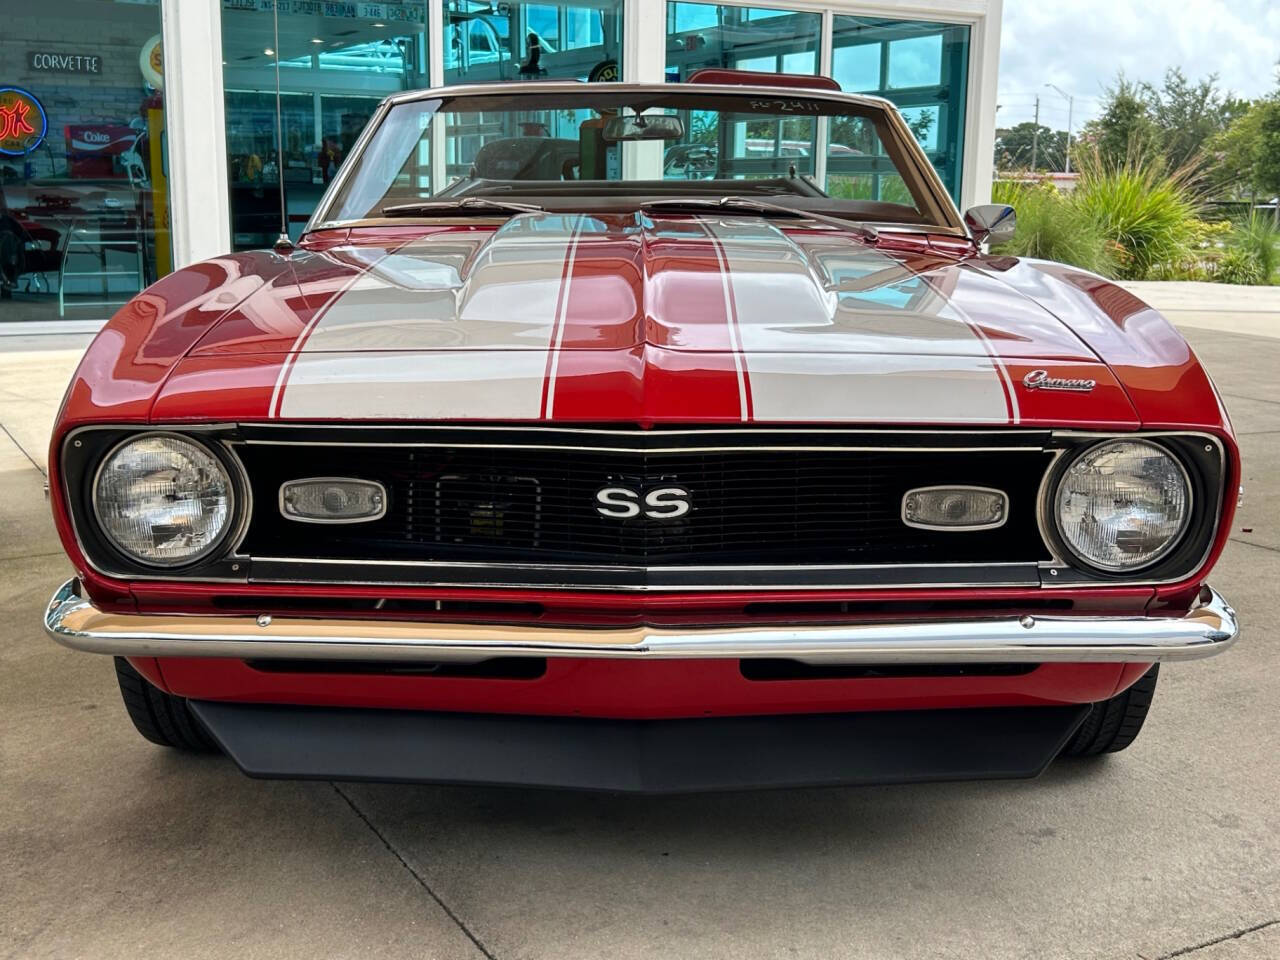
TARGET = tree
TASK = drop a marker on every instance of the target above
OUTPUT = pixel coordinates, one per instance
(1247, 154)
(1188, 115)
(1015, 146)
(1125, 126)
(1177, 122)
(1267, 168)
(1236, 153)
(920, 125)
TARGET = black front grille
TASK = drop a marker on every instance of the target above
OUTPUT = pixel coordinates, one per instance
(756, 499)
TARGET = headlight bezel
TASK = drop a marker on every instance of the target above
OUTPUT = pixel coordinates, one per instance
(1184, 522)
(1202, 458)
(86, 451)
(210, 549)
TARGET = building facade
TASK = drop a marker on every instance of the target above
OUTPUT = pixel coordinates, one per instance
(137, 136)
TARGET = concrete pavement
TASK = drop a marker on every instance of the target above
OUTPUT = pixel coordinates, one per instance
(1214, 306)
(110, 847)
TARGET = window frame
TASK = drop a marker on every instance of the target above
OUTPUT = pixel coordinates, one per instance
(943, 215)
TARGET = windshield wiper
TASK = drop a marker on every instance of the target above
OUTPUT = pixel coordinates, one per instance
(734, 204)
(430, 208)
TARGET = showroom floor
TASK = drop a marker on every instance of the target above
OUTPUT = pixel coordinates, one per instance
(110, 847)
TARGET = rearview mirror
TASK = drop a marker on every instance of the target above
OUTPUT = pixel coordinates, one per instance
(992, 223)
(661, 126)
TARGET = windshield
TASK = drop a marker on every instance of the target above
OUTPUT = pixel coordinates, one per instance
(589, 147)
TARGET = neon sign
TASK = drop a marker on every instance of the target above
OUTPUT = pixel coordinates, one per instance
(23, 123)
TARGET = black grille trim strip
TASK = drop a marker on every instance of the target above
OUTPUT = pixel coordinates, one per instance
(646, 579)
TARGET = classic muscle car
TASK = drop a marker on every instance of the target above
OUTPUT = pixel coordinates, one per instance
(528, 465)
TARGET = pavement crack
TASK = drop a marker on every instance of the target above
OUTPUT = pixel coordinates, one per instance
(1250, 543)
(1236, 396)
(15, 442)
(422, 881)
(32, 556)
(1234, 935)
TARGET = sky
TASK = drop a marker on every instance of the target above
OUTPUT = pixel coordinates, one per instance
(1081, 44)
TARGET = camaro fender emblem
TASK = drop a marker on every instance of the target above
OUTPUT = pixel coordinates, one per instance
(1040, 380)
(660, 503)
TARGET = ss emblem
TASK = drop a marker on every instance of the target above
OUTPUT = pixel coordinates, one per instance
(661, 503)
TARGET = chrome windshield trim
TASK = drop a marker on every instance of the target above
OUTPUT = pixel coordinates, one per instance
(1207, 629)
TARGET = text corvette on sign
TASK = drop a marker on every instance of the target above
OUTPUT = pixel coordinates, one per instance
(46, 62)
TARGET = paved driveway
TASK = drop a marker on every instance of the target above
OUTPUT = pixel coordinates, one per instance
(110, 847)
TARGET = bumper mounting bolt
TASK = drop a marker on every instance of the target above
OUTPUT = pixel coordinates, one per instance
(264, 619)
(1027, 621)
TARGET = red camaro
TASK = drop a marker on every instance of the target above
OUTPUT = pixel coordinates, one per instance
(543, 460)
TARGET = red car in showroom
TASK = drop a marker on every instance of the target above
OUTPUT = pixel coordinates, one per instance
(528, 464)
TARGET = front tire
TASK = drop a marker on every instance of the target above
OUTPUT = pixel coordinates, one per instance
(160, 717)
(1114, 724)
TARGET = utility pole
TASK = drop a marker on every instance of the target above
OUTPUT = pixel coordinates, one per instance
(1071, 109)
(1035, 137)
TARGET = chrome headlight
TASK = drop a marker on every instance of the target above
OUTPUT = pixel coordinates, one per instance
(163, 500)
(1123, 504)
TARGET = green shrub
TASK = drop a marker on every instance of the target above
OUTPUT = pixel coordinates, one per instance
(1208, 235)
(1238, 265)
(1258, 236)
(1134, 220)
(1206, 247)
(1146, 212)
(1050, 227)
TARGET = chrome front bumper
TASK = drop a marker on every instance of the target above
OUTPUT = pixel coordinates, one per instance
(1206, 630)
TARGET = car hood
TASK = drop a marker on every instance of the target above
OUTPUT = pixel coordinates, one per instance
(644, 319)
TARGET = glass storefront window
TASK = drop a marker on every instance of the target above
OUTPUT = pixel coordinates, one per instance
(489, 41)
(740, 38)
(84, 197)
(923, 68)
(857, 67)
(915, 61)
(920, 66)
(337, 61)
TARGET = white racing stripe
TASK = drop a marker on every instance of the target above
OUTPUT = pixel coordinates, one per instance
(875, 388)
(731, 318)
(438, 329)
(557, 340)
(287, 366)
(1011, 394)
(412, 385)
(812, 354)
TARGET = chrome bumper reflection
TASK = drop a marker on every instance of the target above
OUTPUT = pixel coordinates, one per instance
(1206, 630)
